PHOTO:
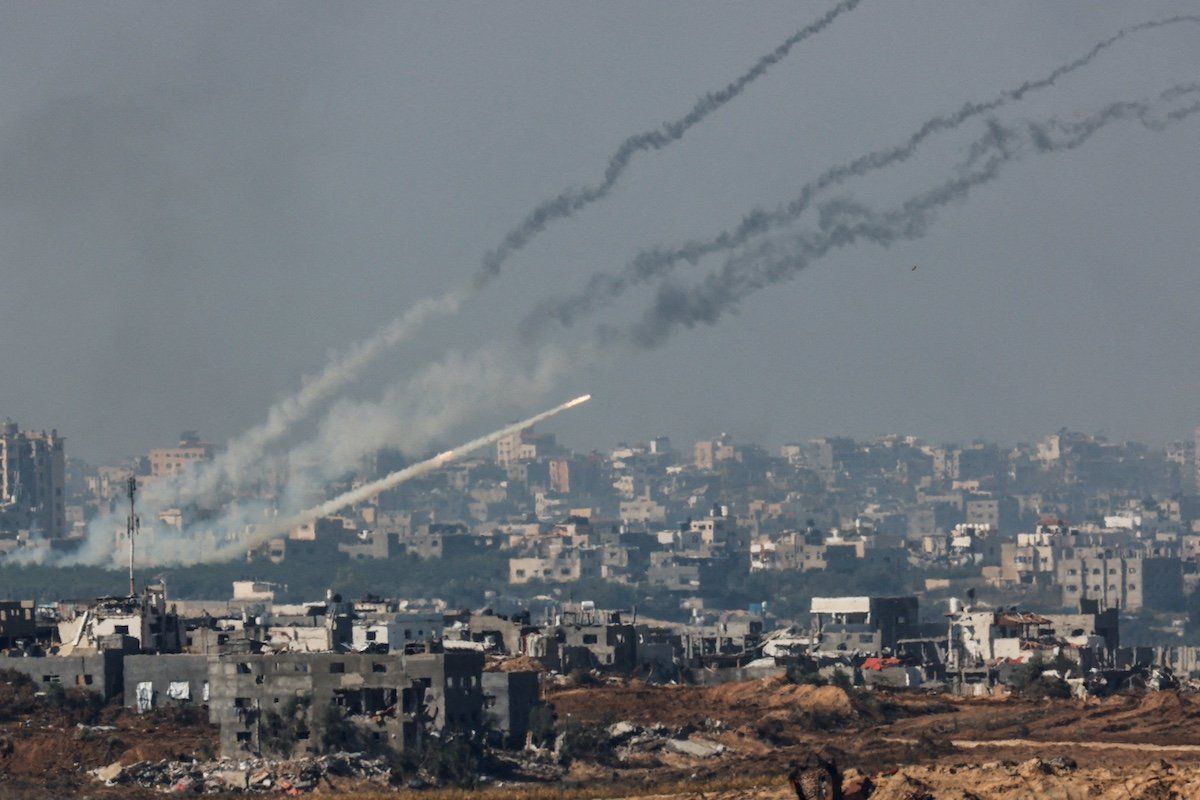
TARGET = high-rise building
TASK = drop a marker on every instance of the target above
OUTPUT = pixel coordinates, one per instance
(32, 480)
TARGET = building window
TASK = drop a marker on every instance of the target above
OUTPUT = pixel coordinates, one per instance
(377, 667)
(243, 736)
(337, 667)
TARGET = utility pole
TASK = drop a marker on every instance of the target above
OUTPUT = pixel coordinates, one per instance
(132, 526)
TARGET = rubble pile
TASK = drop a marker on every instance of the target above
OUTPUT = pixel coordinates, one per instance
(630, 739)
(249, 775)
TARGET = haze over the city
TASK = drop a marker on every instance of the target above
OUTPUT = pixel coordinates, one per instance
(200, 202)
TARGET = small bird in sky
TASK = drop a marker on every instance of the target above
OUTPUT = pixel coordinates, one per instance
(914, 269)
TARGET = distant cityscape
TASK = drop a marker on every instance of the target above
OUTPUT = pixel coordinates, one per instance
(888, 562)
(1070, 518)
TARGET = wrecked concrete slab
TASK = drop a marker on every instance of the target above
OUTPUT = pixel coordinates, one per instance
(696, 748)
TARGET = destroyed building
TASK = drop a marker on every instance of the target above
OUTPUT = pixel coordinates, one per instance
(18, 623)
(141, 623)
(863, 624)
(384, 699)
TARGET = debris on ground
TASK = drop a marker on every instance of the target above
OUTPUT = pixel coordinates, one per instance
(250, 775)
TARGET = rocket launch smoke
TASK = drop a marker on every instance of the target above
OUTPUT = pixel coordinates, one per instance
(443, 395)
(221, 540)
(367, 491)
(411, 415)
(843, 222)
(245, 451)
(571, 201)
(650, 265)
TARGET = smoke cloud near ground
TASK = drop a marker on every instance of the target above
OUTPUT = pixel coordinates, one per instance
(844, 222)
(411, 415)
(263, 533)
(603, 288)
(243, 455)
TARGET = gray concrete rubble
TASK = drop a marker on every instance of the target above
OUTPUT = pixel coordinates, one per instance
(249, 775)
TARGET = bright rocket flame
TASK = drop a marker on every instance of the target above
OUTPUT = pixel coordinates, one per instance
(369, 490)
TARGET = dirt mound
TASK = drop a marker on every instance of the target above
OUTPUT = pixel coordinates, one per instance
(515, 664)
(1167, 703)
(777, 694)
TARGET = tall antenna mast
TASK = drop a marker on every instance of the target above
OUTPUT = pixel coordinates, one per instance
(133, 525)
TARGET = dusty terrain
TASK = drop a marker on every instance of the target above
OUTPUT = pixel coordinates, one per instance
(47, 744)
(732, 741)
(916, 746)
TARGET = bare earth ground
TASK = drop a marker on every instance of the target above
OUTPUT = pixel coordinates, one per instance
(913, 746)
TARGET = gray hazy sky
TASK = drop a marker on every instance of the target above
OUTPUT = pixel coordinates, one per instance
(199, 201)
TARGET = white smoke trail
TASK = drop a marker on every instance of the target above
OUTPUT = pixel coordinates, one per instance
(234, 464)
(243, 453)
(410, 415)
(367, 491)
(447, 393)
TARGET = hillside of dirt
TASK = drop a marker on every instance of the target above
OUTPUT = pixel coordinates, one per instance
(735, 741)
(1154, 718)
(50, 740)
(957, 747)
(735, 704)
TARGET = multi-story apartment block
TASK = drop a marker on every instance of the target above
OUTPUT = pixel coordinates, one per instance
(170, 461)
(32, 482)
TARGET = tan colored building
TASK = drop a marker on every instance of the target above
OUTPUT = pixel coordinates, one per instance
(169, 461)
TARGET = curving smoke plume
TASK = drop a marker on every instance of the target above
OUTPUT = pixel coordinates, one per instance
(442, 396)
(361, 494)
(243, 454)
(843, 222)
(570, 201)
(650, 265)
(411, 415)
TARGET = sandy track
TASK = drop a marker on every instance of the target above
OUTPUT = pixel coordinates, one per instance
(967, 744)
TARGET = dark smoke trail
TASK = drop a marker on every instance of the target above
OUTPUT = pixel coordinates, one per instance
(245, 451)
(572, 200)
(843, 222)
(649, 265)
